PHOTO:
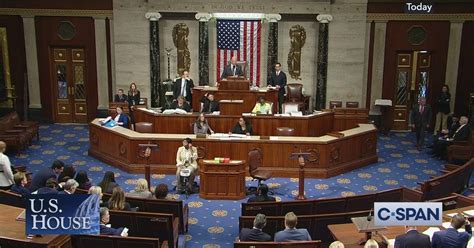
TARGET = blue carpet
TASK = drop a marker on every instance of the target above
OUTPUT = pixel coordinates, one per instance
(215, 223)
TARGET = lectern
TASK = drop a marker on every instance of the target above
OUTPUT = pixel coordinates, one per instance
(366, 225)
(302, 157)
(144, 152)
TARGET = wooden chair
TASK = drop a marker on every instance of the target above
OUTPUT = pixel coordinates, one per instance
(255, 161)
(107, 241)
(360, 202)
(289, 107)
(266, 208)
(294, 94)
(144, 127)
(285, 131)
(352, 104)
(461, 151)
(335, 104)
(327, 206)
(11, 199)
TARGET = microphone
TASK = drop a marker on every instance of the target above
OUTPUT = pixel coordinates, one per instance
(369, 217)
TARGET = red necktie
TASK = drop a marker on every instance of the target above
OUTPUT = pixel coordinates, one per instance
(421, 109)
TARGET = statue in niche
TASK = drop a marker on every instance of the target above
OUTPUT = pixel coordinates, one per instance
(297, 40)
(180, 40)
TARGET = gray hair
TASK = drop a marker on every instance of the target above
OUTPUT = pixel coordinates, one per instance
(260, 221)
(103, 211)
(71, 183)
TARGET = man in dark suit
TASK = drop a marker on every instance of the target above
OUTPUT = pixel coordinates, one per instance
(232, 69)
(462, 133)
(40, 177)
(120, 97)
(209, 103)
(256, 233)
(183, 87)
(420, 121)
(278, 79)
(105, 229)
(291, 233)
(262, 195)
(412, 239)
(69, 187)
(451, 238)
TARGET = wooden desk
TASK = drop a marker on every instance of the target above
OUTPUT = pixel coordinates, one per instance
(330, 156)
(224, 181)
(344, 118)
(250, 97)
(234, 84)
(12, 232)
(231, 107)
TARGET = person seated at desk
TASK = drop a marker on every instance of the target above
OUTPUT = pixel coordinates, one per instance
(291, 233)
(256, 233)
(461, 134)
(445, 133)
(412, 239)
(20, 182)
(186, 158)
(141, 190)
(451, 237)
(120, 97)
(242, 127)
(209, 103)
(201, 126)
(117, 200)
(232, 69)
(121, 118)
(262, 195)
(69, 187)
(105, 228)
(180, 103)
(262, 107)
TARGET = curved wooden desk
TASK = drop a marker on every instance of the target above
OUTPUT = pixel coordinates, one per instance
(330, 156)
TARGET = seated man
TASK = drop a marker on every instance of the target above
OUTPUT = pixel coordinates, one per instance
(20, 182)
(120, 97)
(209, 104)
(451, 237)
(51, 187)
(291, 233)
(186, 158)
(262, 107)
(232, 69)
(105, 228)
(256, 233)
(180, 103)
(262, 195)
(412, 239)
(445, 133)
(461, 134)
(69, 187)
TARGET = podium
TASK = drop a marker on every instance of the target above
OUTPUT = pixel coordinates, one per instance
(234, 83)
(366, 225)
(302, 157)
(225, 181)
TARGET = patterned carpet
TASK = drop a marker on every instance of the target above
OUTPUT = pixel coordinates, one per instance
(215, 223)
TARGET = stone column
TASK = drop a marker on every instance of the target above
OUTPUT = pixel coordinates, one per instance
(203, 47)
(378, 58)
(155, 76)
(101, 61)
(322, 64)
(454, 50)
(32, 63)
(272, 57)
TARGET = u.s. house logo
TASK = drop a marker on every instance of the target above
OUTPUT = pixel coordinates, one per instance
(62, 214)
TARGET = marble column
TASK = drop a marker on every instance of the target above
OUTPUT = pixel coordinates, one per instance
(155, 76)
(32, 62)
(378, 58)
(272, 56)
(101, 61)
(203, 47)
(322, 62)
(454, 51)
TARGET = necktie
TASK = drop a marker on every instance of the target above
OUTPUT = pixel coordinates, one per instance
(233, 70)
(183, 88)
(422, 108)
(278, 73)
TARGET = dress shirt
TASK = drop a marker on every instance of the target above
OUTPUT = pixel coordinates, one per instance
(6, 175)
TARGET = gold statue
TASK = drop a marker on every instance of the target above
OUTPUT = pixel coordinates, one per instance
(180, 40)
(297, 40)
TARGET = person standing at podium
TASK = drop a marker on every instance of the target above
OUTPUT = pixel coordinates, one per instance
(183, 87)
(278, 79)
(232, 69)
(186, 158)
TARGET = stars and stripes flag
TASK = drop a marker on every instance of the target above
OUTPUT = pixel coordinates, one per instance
(240, 39)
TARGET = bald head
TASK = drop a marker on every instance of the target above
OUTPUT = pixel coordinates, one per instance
(233, 60)
(463, 120)
(3, 146)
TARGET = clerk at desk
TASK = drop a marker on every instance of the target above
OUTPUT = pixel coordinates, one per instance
(262, 107)
(232, 69)
(181, 103)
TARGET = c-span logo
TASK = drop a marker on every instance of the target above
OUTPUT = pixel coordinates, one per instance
(62, 214)
(408, 213)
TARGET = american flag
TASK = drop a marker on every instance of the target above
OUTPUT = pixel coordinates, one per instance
(240, 39)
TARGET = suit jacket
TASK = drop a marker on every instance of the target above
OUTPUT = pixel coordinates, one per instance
(208, 106)
(421, 119)
(451, 238)
(185, 106)
(261, 198)
(413, 239)
(105, 230)
(187, 157)
(189, 87)
(122, 98)
(20, 190)
(124, 119)
(46, 190)
(238, 129)
(228, 71)
(40, 178)
(133, 100)
(443, 103)
(463, 133)
(253, 234)
(280, 80)
(292, 235)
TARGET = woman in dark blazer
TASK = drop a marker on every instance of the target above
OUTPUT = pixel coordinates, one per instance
(133, 95)
(121, 118)
(242, 127)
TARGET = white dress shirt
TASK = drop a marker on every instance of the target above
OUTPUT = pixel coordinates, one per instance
(6, 174)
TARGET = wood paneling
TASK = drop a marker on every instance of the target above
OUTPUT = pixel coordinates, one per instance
(17, 54)
(222, 180)
(47, 37)
(54, 4)
(397, 41)
(465, 84)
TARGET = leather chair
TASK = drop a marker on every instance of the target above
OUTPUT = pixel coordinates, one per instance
(335, 104)
(294, 94)
(144, 127)
(288, 107)
(255, 161)
(352, 104)
(285, 131)
(461, 151)
(244, 66)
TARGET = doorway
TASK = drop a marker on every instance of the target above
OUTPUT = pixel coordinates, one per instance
(69, 85)
(412, 81)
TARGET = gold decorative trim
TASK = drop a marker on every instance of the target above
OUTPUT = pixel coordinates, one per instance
(56, 12)
(459, 17)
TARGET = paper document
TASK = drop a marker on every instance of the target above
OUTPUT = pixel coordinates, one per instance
(452, 215)
(469, 212)
(430, 231)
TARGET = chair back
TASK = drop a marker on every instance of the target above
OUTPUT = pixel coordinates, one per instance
(294, 92)
(290, 107)
(352, 104)
(242, 64)
(144, 127)
(255, 157)
(285, 131)
(335, 104)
